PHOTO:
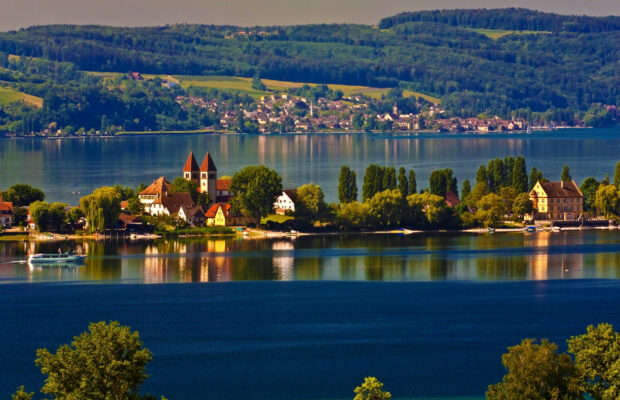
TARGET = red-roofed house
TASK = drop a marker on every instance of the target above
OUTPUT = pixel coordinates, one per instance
(153, 192)
(222, 190)
(6, 214)
(451, 199)
(219, 215)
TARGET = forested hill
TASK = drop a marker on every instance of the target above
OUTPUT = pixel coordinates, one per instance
(519, 19)
(502, 62)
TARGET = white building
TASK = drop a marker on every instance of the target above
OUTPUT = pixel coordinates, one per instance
(285, 202)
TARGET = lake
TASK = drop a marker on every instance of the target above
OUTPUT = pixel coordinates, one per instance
(70, 168)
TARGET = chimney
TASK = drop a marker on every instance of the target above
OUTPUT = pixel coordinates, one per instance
(562, 183)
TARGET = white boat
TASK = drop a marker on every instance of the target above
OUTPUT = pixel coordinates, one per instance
(55, 258)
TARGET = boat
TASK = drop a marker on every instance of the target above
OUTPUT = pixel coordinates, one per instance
(491, 230)
(530, 229)
(55, 258)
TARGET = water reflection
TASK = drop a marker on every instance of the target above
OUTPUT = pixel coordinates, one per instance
(423, 257)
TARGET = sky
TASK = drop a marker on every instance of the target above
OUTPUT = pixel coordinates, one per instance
(15, 14)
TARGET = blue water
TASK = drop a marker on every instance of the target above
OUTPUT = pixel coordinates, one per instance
(306, 340)
(68, 169)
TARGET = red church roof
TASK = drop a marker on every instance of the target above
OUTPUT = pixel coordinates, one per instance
(207, 164)
(190, 165)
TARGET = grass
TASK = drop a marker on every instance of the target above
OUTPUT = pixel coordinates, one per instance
(244, 85)
(498, 33)
(276, 218)
(8, 95)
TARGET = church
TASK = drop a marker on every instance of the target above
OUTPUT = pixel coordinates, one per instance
(205, 178)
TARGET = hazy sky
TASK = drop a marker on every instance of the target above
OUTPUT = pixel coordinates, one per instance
(15, 14)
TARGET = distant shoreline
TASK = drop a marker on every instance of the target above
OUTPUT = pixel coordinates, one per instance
(335, 132)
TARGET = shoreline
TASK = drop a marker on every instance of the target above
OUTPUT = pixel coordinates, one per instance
(330, 132)
(255, 233)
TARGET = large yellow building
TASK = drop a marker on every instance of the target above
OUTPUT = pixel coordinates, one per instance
(557, 200)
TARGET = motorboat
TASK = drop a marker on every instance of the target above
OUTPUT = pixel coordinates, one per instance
(55, 258)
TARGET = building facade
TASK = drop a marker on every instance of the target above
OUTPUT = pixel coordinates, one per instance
(557, 200)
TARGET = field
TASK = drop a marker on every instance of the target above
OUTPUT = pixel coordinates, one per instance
(245, 85)
(498, 33)
(8, 95)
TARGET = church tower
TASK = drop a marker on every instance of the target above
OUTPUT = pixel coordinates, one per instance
(208, 177)
(191, 172)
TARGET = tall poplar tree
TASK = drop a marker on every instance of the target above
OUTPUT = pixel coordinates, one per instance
(412, 182)
(403, 184)
(347, 185)
(519, 175)
(566, 174)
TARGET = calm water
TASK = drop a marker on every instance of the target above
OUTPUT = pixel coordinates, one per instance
(67, 169)
(306, 340)
(417, 257)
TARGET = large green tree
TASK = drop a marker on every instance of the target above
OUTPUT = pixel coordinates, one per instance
(403, 183)
(21, 394)
(40, 214)
(442, 181)
(588, 188)
(373, 181)
(181, 185)
(427, 209)
(388, 207)
(465, 189)
(106, 363)
(597, 357)
(101, 208)
(490, 210)
(617, 175)
(254, 189)
(347, 185)
(413, 186)
(354, 215)
(371, 389)
(607, 200)
(536, 372)
(522, 205)
(22, 195)
(519, 175)
(535, 176)
(310, 203)
(566, 174)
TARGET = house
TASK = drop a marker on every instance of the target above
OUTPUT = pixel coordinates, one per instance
(557, 200)
(132, 223)
(285, 202)
(451, 199)
(219, 214)
(222, 190)
(195, 216)
(154, 192)
(6, 214)
(171, 203)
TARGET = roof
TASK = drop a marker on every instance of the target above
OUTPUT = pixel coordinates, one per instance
(223, 184)
(159, 186)
(451, 199)
(174, 201)
(561, 189)
(212, 211)
(124, 204)
(207, 164)
(191, 165)
(6, 206)
(291, 193)
(192, 211)
(128, 219)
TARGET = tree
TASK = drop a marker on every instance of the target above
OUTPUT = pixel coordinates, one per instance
(519, 175)
(347, 185)
(403, 184)
(617, 175)
(257, 84)
(597, 358)
(433, 208)
(358, 121)
(21, 394)
(522, 205)
(481, 175)
(135, 207)
(310, 202)
(23, 195)
(536, 372)
(180, 185)
(371, 389)
(389, 178)
(535, 176)
(75, 214)
(441, 181)
(607, 200)
(20, 214)
(588, 188)
(354, 215)
(101, 208)
(40, 214)
(124, 191)
(490, 210)
(107, 362)
(57, 216)
(478, 192)
(203, 200)
(566, 174)
(388, 207)
(508, 195)
(373, 181)
(254, 189)
(412, 182)
(465, 189)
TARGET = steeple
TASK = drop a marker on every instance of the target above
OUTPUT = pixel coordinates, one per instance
(207, 164)
(208, 177)
(191, 170)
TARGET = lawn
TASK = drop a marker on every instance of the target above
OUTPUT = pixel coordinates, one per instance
(8, 95)
(498, 33)
(276, 218)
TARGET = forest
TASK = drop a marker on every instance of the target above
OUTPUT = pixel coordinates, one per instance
(532, 62)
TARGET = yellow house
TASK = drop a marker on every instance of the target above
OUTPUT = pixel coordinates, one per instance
(216, 215)
(557, 200)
